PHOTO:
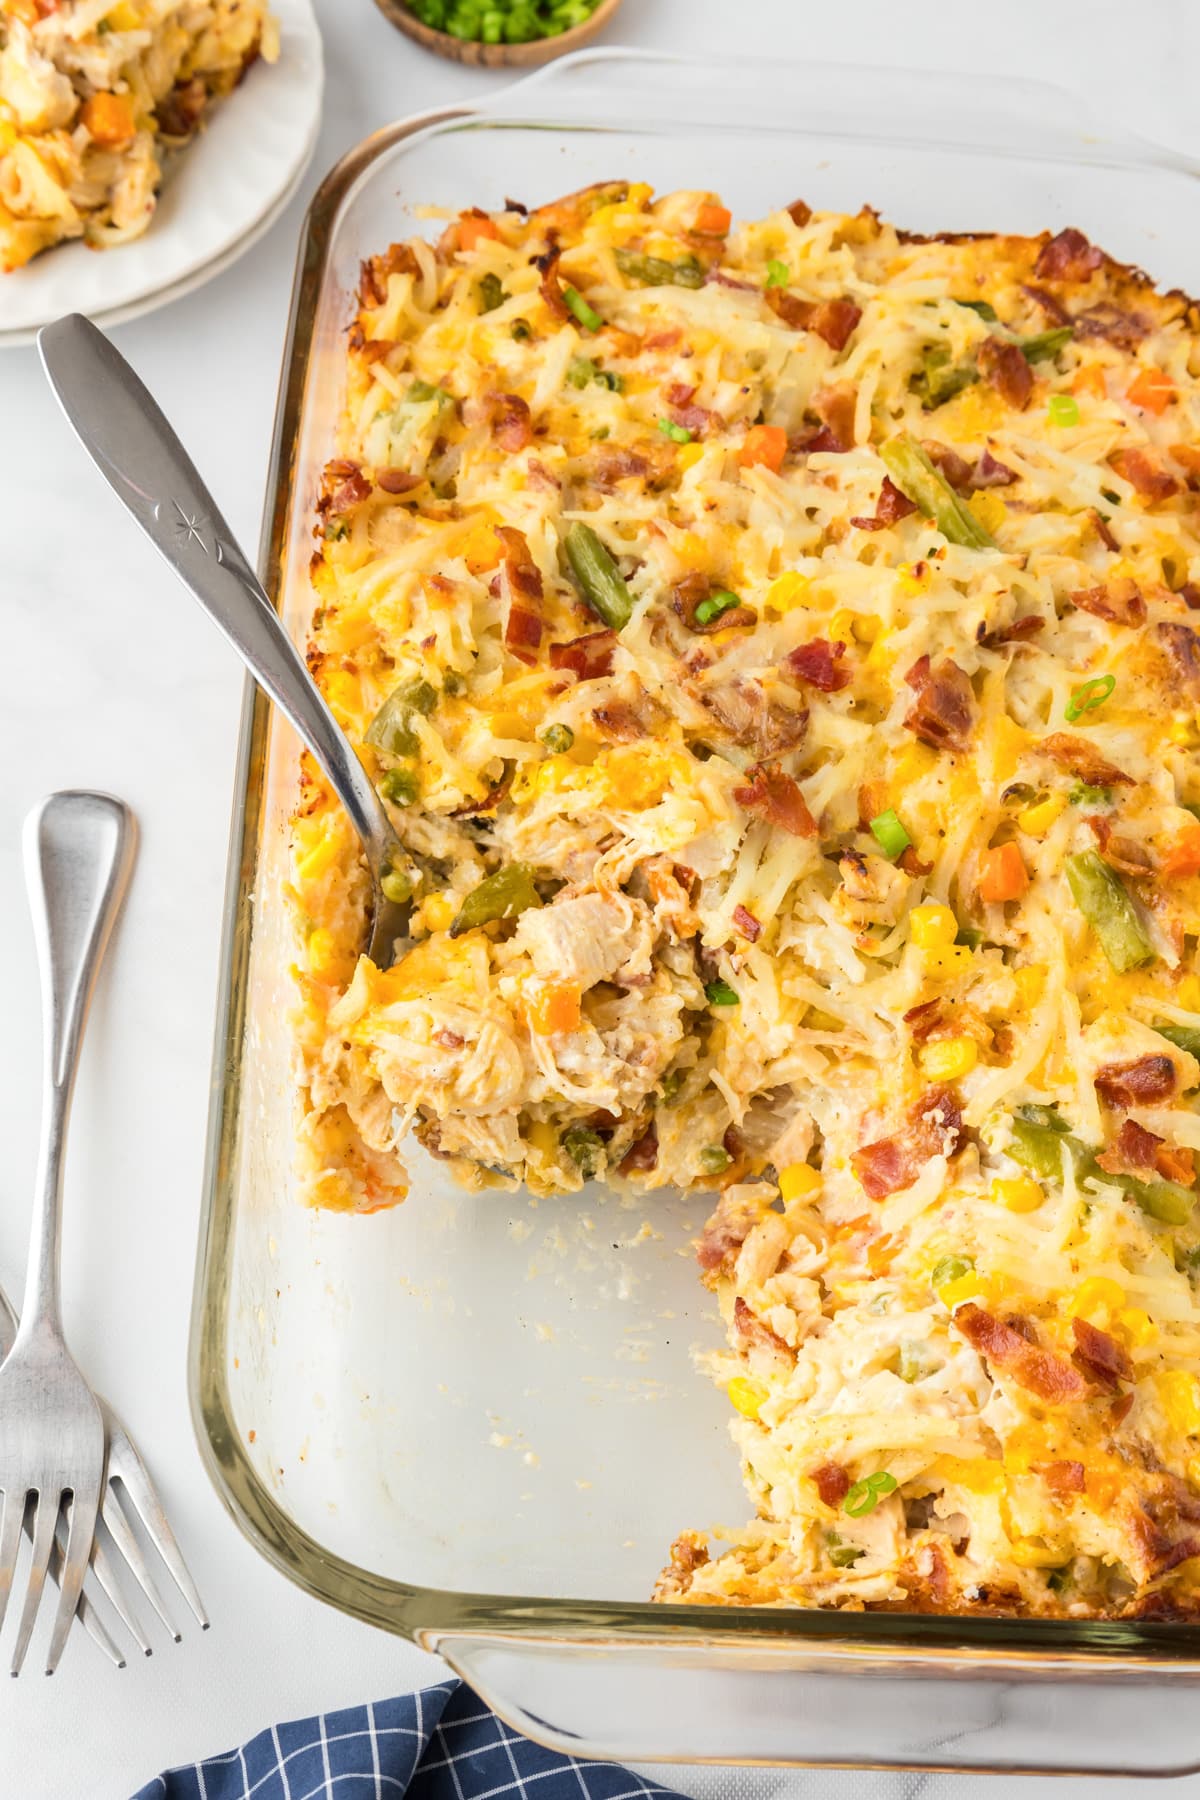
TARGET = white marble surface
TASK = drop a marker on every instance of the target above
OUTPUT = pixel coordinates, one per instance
(112, 679)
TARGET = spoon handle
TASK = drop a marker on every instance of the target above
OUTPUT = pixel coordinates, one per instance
(122, 428)
(78, 852)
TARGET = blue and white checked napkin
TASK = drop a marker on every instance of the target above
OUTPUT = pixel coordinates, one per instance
(440, 1744)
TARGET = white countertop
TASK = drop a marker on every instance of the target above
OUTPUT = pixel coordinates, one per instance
(116, 681)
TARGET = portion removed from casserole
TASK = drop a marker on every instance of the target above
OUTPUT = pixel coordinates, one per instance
(775, 648)
(91, 94)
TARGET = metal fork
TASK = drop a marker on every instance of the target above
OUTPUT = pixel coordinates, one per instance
(126, 1472)
(78, 851)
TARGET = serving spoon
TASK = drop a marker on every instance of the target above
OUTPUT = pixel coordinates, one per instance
(122, 428)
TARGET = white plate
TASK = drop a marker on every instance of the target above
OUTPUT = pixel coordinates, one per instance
(218, 196)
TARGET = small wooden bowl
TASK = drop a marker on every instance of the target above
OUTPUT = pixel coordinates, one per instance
(497, 56)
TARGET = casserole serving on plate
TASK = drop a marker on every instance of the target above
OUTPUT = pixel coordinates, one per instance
(547, 1350)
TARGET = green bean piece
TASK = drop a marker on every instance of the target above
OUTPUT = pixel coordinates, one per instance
(919, 481)
(1041, 1148)
(491, 292)
(419, 393)
(1167, 1201)
(391, 728)
(939, 379)
(598, 577)
(1045, 344)
(1100, 895)
(585, 1149)
(915, 1360)
(1039, 1140)
(714, 1159)
(984, 308)
(1184, 1037)
(655, 271)
(504, 895)
(399, 786)
(843, 1556)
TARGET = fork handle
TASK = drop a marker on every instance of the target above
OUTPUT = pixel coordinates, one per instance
(78, 853)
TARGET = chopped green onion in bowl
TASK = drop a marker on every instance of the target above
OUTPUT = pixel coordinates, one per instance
(503, 21)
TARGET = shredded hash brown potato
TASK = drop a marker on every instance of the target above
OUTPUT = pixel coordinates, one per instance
(92, 92)
(776, 649)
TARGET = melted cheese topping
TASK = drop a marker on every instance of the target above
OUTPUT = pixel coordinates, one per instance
(91, 92)
(854, 872)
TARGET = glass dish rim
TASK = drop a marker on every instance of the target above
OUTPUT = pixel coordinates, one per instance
(428, 1614)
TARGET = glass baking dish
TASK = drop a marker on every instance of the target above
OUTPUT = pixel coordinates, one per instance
(474, 1420)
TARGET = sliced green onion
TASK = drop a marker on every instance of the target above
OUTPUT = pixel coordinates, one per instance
(714, 604)
(587, 315)
(1091, 694)
(890, 834)
(865, 1495)
(558, 738)
(778, 273)
(1063, 409)
(719, 993)
(679, 434)
(714, 1159)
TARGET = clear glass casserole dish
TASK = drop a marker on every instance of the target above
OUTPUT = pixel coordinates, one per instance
(474, 1420)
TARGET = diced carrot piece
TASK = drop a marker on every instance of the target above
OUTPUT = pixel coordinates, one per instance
(472, 227)
(766, 444)
(1002, 874)
(1183, 858)
(1151, 390)
(1090, 380)
(712, 220)
(554, 1008)
(1175, 1162)
(109, 120)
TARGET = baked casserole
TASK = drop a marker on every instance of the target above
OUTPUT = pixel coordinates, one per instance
(775, 648)
(92, 92)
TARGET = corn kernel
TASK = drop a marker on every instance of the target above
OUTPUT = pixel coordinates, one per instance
(866, 627)
(989, 509)
(543, 1137)
(841, 626)
(798, 1182)
(1096, 1295)
(787, 590)
(322, 951)
(1188, 993)
(318, 858)
(1184, 730)
(913, 763)
(1036, 820)
(913, 579)
(689, 455)
(8, 135)
(341, 691)
(123, 16)
(1020, 1195)
(1035, 1553)
(948, 1059)
(946, 962)
(438, 912)
(1029, 983)
(1009, 742)
(978, 1474)
(1136, 1327)
(746, 1395)
(1179, 1394)
(967, 1287)
(931, 926)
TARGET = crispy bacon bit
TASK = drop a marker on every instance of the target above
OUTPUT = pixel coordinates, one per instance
(1102, 532)
(350, 492)
(1146, 1081)
(820, 664)
(1144, 475)
(642, 1154)
(747, 924)
(449, 1040)
(1182, 647)
(588, 658)
(1158, 1554)
(990, 472)
(753, 1332)
(539, 476)
(689, 1552)
(512, 426)
(1122, 853)
(822, 438)
(890, 508)
(726, 1231)
(836, 406)
(1077, 755)
(955, 468)
(523, 633)
(398, 481)
(1134, 1150)
(618, 465)
(398, 259)
(1119, 600)
(923, 1020)
(1068, 257)
(524, 576)
(1040, 1372)
(933, 1128)
(800, 212)
(767, 725)
(550, 287)
(1189, 593)
(180, 112)
(775, 797)
(1062, 1478)
(1099, 1355)
(1053, 308)
(944, 708)
(832, 1482)
(1112, 324)
(833, 320)
(623, 721)
(687, 595)
(664, 340)
(911, 863)
(1003, 366)
(1019, 632)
